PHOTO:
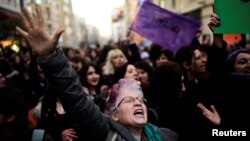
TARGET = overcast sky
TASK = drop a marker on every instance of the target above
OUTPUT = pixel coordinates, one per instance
(96, 12)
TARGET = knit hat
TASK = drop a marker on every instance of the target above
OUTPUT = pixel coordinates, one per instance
(232, 56)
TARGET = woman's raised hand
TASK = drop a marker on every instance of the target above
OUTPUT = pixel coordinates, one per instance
(214, 21)
(36, 32)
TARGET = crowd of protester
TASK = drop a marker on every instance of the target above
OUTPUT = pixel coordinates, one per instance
(189, 92)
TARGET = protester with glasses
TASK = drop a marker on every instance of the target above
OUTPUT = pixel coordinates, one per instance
(129, 99)
(125, 109)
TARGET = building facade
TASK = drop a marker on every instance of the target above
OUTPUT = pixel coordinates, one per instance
(9, 19)
(58, 13)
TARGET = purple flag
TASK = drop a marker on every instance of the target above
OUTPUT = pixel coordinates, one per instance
(168, 29)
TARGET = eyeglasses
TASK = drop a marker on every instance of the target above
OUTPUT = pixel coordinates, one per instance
(130, 99)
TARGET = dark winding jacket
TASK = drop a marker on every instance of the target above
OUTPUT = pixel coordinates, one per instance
(87, 119)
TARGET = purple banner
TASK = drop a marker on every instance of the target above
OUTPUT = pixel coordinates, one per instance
(168, 29)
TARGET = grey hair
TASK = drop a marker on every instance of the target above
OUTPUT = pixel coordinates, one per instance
(111, 103)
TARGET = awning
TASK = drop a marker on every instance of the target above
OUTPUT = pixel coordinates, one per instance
(6, 14)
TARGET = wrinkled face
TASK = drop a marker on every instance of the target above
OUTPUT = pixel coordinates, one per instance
(198, 62)
(143, 75)
(131, 110)
(163, 58)
(131, 72)
(118, 60)
(242, 63)
(92, 76)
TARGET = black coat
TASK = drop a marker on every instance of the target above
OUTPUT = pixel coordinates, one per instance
(235, 102)
(86, 117)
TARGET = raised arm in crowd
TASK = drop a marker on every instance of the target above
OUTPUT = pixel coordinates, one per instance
(125, 112)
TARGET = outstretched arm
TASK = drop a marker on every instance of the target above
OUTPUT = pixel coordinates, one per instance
(86, 117)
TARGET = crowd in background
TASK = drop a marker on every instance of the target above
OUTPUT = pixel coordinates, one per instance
(178, 86)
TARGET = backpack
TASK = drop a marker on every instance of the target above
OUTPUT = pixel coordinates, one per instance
(37, 135)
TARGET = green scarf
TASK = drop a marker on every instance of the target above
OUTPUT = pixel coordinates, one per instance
(151, 132)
